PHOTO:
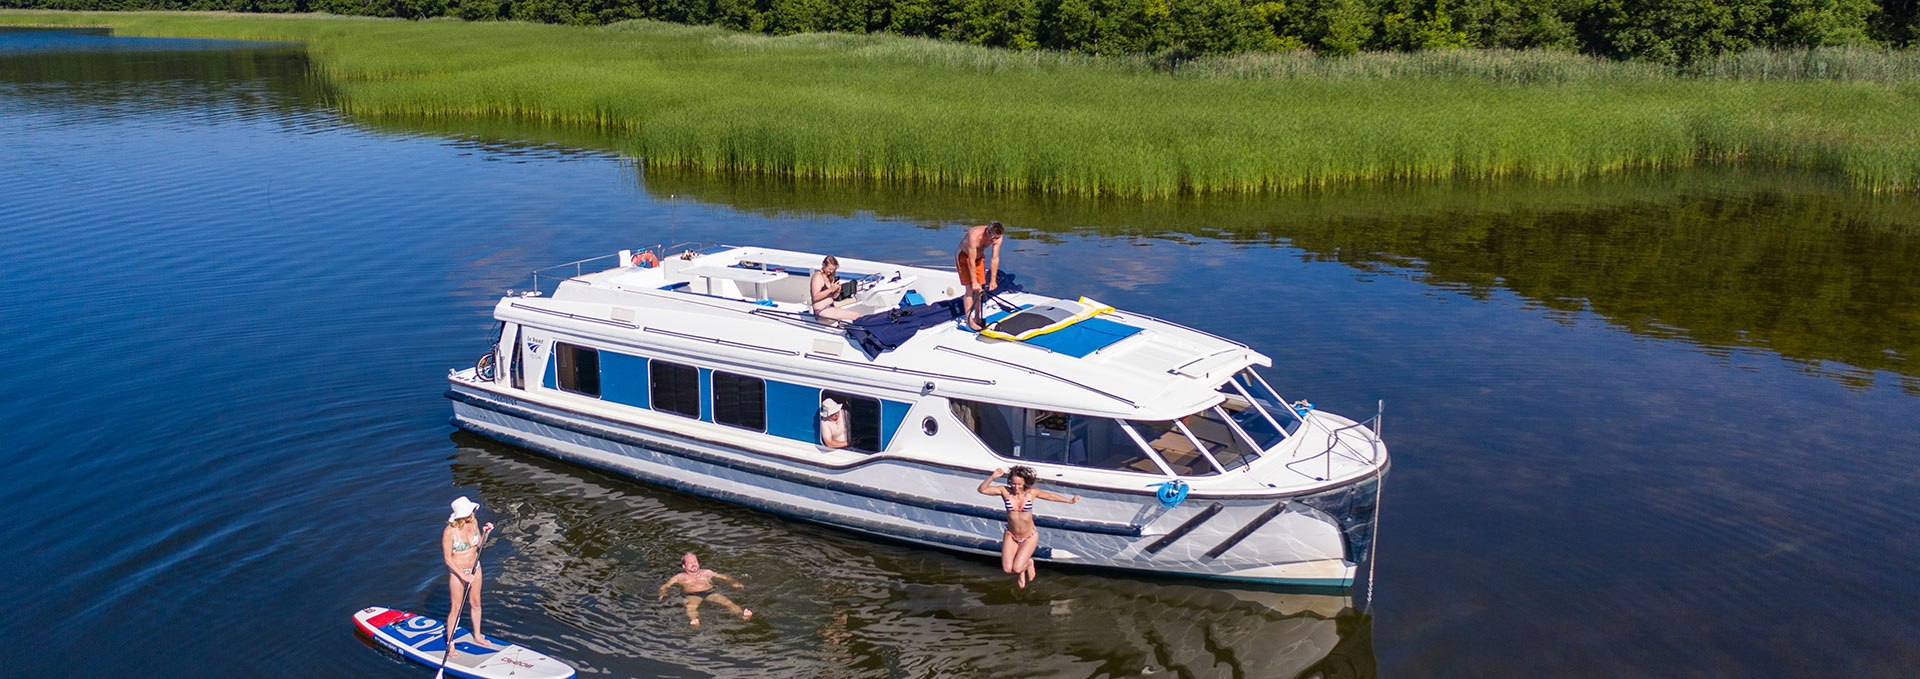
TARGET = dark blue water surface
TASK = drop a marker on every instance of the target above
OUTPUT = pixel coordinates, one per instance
(1651, 426)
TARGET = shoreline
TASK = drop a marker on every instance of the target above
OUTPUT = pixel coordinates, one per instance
(919, 112)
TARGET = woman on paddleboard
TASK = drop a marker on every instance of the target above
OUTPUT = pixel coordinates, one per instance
(1022, 537)
(460, 548)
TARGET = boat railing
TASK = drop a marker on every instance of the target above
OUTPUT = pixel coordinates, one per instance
(1345, 447)
(545, 279)
(553, 275)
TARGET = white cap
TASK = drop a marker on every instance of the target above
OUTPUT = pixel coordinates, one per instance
(462, 508)
(828, 407)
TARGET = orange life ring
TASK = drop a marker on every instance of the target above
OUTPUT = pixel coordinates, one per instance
(646, 258)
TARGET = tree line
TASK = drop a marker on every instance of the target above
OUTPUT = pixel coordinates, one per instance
(1676, 32)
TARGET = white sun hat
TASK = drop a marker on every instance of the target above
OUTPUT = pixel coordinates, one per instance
(462, 508)
(828, 407)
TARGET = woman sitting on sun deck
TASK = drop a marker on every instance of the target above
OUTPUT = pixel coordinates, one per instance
(824, 287)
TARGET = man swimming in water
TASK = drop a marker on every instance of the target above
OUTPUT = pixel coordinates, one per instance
(697, 583)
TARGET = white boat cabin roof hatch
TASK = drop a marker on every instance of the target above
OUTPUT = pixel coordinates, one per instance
(722, 294)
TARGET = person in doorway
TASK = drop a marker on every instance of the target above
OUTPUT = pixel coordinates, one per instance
(460, 548)
(833, 424)
(977, 274)
(697, 584)
(824, 287)
(1022, 537)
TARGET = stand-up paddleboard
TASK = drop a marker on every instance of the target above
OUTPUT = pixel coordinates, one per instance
(424, 640)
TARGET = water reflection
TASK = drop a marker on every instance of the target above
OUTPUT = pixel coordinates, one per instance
(61, 78)
(589, 552)
(1726, 259)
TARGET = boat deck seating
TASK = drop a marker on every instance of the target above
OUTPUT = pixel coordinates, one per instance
(781, 286)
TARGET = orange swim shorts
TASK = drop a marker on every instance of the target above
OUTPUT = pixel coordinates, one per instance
(972, 270)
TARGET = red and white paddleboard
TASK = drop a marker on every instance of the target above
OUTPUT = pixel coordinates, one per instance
(423, 640)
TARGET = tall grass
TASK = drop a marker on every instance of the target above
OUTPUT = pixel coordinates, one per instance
(894, 109)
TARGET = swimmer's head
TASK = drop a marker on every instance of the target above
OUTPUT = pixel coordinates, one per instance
(689, 562)
(1021, 474)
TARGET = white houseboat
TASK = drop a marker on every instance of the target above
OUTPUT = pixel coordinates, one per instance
(699, 368)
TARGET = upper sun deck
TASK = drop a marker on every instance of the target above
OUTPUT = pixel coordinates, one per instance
(749, 304)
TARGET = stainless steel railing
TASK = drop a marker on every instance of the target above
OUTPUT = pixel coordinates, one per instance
(557, 273)
(1343, 446)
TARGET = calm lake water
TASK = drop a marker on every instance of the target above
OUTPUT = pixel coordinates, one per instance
(1658, 425)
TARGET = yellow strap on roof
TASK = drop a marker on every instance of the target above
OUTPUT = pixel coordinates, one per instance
(1089, 309)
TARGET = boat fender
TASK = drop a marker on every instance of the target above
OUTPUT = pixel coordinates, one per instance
(1170, 493)
(646, 259)
(1301, 408)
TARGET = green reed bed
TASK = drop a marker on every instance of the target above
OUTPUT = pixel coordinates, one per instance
(904, 110)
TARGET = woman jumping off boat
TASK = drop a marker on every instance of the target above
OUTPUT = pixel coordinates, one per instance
(1022, 537)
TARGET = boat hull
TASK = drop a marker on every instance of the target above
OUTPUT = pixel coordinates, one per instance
(1309, 539)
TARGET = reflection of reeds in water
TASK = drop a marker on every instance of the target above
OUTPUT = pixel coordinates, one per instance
(590, 552)
(921, 112)
(1721, 257)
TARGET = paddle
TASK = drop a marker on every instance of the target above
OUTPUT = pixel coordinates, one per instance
(452, 625)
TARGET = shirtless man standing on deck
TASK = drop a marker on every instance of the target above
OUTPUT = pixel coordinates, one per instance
(971, 263)
(697, 583)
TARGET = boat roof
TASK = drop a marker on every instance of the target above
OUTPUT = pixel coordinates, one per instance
(1161, 372)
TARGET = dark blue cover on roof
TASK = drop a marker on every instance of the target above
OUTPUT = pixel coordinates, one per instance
(877, 333)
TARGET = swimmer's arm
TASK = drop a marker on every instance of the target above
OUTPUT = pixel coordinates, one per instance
(987, 487)
(729, 580)
(670, 583)
(1056, 497)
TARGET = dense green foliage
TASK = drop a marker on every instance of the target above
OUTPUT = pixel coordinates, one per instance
(1675, 32)
(911, 111)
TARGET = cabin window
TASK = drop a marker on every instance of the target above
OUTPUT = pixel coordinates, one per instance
(578, 369)
(1232, 448)
(674, 388)
(1179, 451)
(740, 401)
(1067, 438)
(863, 420)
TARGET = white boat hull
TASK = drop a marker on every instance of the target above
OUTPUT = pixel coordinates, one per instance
(1311, 538)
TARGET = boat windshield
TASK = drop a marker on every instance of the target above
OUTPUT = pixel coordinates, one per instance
(1216, 439)
(1259, 413)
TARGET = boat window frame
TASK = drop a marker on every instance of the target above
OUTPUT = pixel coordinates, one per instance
(1282, 400)
(653, 391)
(518, 372)
(847, 400)
(1126, 425)
(713, 399)
(1258, 452)
(1199, 445)
(1152, 454)
(1255, 404)
(567, 368)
